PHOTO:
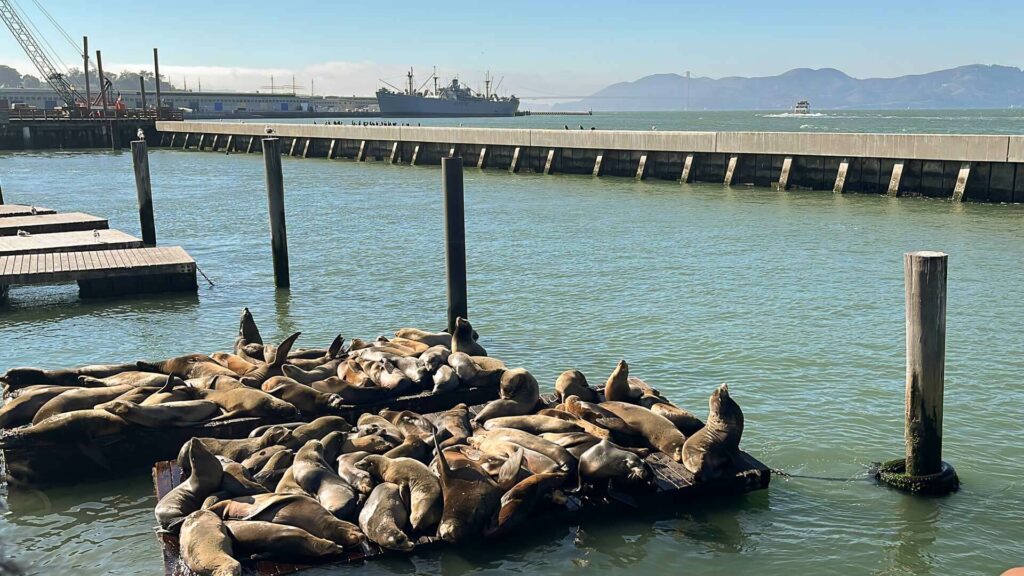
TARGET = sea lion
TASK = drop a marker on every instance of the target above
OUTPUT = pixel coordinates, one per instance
(293, 510)
(533, 423)
(310, 359)
(428, 338)
(203, 480)
(318, 429)
(462, 339)
(445, 380)
(369, 424)
(566, 462)
(173, 390)
(249, 342)
(16, 378)
(236, 480)
(435, 357)
(187, 366)
(131, 377)
(274, 361)
(574, 383)
(267, 541)
(216, 382)
(78, 427)
(250, 403)
(504, 449)
(206, 545)
(575, 442)
(171, 414)
(606, 461)
(617, 389)
(416, 347)
(593, 413)
(471, 500)
(413, 477)
(270, 475)
(505, 471)
(312, 475)
(301, 396)
(385, 374)
(374, 444)
(412, 368)
(78, 399)
(408, 422)
(383, 518)
(255, 461)
(517, 504)
(354, 476)
(453, 426)
(519, 393)
(234, 362)
(684, 420)
(657, 431)
(22, 409)
(321, 372)
(237, 449)
(465, 369)
(715, 448)
(415, 447)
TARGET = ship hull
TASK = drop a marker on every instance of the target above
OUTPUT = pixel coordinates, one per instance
(405, 106)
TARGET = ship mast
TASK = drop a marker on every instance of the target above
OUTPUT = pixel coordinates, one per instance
(435, 80)
(409, 75)
(487, 85)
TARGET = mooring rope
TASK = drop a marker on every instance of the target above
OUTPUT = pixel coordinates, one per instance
(204, 274)
(784, 474)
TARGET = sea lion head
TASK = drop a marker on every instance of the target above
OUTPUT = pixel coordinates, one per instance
(116, 407)
(723, 410)
(518, 384)
(452, 530)
(399, 541)
(637, 470)
(334, 402)
(463, 329)
(276, 435)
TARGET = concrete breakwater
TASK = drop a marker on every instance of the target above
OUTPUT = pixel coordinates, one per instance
(72, 133)
(972, 167)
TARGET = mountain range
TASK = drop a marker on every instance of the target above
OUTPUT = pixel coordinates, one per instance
(972, 86)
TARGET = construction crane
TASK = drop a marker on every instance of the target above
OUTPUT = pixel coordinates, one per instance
(57, 80)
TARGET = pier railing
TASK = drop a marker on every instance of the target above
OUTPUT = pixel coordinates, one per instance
(33, 114)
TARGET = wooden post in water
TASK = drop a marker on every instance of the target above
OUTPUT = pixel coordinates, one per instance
(454, 238)
(85, 67)
(275, 201)
(144, 188)
(925, 292)
(156, 72)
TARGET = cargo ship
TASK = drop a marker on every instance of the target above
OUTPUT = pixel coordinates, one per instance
(452, 100)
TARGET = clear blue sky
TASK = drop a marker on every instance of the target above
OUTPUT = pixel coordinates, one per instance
(543, 47)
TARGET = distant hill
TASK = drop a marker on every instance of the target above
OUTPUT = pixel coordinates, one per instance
(974, 86)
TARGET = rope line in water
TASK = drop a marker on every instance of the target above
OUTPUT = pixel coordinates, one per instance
(784, 474)
(204, 274)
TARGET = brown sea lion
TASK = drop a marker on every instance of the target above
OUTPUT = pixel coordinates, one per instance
(187, 366)
(310, 359)
(78, 399)
(71, 428)
(471, 500)
(518, 504)
(574, 383)
(250, 403)
(267, 541)
(617, 389)
(321, 372)
(715, 449)
(566, 462)
(22, 409)
(218, 382)
(415, 447)
(445, 380)
(237, 481)
(416, 347)
(413, 477)
(411, 367)
(258, 459)
(595, 414)
(519, 393)
(575, 442)
(349, 472)
(305, 398)
(657, 431)
(206, 545)
(173, 390)
(503, 449)
(131, 377)
(318, 429)
(16, 378)
(234, 362)
(464, 367)
(532, 423)
(462, 339)
(374, 444)
(171, 414)
(383, 518)
(293, 510)
(428, 338)
(249, 342)
(684, 420)
(312, 474)
(270, 475)
(369, 424)
(204, 479)
(453, 426)
(237, 449)
(607, 462)
(274, 361)
(434, 357)
(408, 422)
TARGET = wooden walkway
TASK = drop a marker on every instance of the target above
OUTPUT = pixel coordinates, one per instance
(50, 248)
(8, 210)
(68, 242)
(49, 223)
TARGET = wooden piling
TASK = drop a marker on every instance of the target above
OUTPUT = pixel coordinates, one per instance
(597, 163)
(961, 182)
(894, 180)
(687, 169)
(144, 189)
(454, 238)
(156, 72)
(275, 202)
(787, 168)
(925, 293)
(85, 66)
(142, 90)
(730, 171)
(641, 167)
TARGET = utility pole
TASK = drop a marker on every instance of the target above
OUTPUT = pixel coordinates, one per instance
(85, 65)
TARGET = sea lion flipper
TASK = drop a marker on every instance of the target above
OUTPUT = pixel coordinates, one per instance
(281, 354)
(509, 471)
(247, 328)
(335, 348)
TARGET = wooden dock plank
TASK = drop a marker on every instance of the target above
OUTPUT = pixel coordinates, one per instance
(68, 242)
(12, 210)
(45, 268)
(49, 223)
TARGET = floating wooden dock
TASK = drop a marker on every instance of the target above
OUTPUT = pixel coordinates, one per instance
(40, 246)
(8, 210)
(49, 223)
(136, 449)
(673, 486)
(68, 242)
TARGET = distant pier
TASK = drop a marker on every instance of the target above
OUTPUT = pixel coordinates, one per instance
(961, 167)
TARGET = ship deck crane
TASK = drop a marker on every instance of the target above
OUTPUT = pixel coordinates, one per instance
(57, 80)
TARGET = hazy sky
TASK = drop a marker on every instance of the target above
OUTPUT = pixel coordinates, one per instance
(541, 48)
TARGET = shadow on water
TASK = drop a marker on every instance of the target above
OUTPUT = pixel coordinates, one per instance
(909, 552)
(30, 305)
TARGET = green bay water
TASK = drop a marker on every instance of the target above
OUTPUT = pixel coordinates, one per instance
(793, 298)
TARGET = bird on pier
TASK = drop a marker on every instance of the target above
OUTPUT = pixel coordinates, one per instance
(23, 233)
(268, 129)
(141, 134)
